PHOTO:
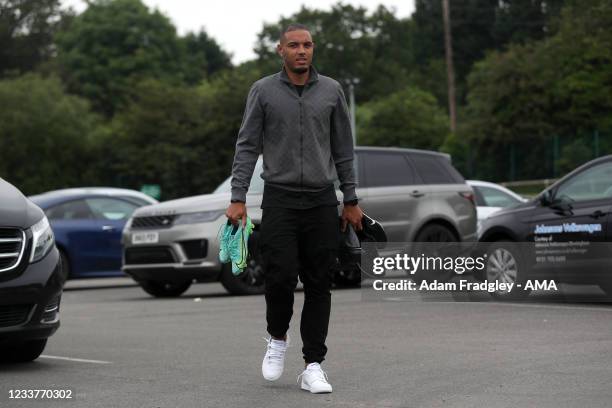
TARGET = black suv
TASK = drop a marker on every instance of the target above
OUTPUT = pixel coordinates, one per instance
(31, 281)
(564, 234)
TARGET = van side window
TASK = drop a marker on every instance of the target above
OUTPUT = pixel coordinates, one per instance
(494, 197)
(105, 208)
(71, 210)
(387, 169)
(592, 184)
(431, 170)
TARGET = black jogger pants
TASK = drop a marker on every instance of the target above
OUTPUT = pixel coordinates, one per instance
(300, 243)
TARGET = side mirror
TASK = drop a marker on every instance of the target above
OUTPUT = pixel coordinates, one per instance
(546, 198)
(562, 203)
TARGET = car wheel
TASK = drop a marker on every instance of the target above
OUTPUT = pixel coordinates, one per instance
(505, 265)
(165, 289)
(432, 233)
(436, 233)
(23, 352)
(65, 264)
(251, 280)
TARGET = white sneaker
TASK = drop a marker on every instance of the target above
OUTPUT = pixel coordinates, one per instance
(315, 380)
(274, 360)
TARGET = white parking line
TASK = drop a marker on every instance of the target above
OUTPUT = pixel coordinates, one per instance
(79, 360)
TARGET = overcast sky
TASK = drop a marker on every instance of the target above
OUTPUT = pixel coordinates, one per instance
(235, 24)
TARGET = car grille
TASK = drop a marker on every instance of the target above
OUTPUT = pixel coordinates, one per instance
(14, 315)
(148, 255)
(195, 249)
(158, 221)
(12, 242)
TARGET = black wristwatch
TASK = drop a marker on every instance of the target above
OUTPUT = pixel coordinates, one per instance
(352, 202)
(236, 201)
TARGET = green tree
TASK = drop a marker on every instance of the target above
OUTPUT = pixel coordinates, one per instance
(180, 137)
(522, 99)
(472, 24)
(114, 44)
(160, 134)
(225, 94)
(408, 118)
(45, 134)
(519, 21)
(27, 28)
(577, 64)
(477, 26)
(204, 57)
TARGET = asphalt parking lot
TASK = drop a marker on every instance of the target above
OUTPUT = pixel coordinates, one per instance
(118, 347)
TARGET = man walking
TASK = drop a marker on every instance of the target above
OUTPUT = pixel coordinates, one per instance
(299, 121)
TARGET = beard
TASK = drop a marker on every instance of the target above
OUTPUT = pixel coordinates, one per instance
(298, 70)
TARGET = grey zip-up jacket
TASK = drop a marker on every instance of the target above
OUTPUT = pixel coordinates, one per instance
(305, 140)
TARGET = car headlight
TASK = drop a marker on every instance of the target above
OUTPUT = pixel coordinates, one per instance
(194, 218)
(42, 239)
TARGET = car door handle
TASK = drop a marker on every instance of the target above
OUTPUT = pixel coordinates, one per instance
(598, 214)
(108, 228)
(417, 193)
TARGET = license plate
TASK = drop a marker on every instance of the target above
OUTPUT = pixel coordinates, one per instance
(145, 238)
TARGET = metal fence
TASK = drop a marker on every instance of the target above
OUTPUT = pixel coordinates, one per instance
(534, 160)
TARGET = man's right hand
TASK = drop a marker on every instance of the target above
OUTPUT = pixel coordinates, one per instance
(236, 212)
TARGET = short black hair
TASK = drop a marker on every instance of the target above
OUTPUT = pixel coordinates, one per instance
(292, 27)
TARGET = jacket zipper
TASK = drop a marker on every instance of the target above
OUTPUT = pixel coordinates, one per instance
(301, 149)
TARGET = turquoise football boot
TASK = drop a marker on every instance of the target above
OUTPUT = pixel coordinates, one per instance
(239, 248)
(224, 236)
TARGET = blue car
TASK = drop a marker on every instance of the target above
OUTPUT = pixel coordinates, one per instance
(87, 223)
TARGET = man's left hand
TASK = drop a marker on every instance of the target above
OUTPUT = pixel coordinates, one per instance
(352, 214)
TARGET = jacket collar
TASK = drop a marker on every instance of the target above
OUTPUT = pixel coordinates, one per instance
(313, 77)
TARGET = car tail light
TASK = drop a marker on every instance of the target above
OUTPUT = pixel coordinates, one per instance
(468, 196)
